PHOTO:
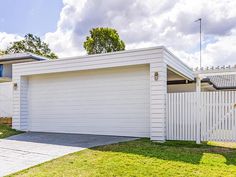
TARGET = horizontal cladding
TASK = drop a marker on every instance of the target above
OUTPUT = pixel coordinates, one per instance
(99, 58)
(111, 101)
(158, 100)
(63, 65)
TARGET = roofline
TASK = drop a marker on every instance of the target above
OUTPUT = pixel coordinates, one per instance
(226, 88)
(99, 55)
(26, 55)
(177, 65)
(113, 53)
(129, 51)
(171, 53)
(123, 52)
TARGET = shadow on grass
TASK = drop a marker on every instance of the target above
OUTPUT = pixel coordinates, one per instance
(183, 151)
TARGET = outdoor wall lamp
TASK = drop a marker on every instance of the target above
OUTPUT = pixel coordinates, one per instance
(156, 76)
(15, 86)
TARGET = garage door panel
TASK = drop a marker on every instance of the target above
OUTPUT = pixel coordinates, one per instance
(92, 129)
(92, 104)
(100, 84)
(127, 106)
(103, 84)
(88, 98)
(99, 91)
(110, 125)
(98, 113)
(111, 101)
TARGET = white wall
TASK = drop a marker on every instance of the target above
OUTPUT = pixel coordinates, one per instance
(158, 93)
(6, 94)
(157, 57)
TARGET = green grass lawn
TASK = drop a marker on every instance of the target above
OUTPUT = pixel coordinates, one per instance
(6, 131)
(143, 158)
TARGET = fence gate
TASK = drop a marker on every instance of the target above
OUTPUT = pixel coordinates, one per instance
(207, 116)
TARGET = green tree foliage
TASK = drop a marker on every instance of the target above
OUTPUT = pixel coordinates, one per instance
(2, 52)
(103, 40)
(33, 44)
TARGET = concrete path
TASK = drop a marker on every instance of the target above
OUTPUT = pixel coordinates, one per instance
(28, 149)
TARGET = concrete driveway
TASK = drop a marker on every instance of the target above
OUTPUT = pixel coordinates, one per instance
(28, 149)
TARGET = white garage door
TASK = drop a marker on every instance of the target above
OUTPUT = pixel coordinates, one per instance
(112, 101)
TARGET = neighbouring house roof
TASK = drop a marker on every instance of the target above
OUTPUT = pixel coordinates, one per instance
(21, 56)
(224, 81)
(221, 77)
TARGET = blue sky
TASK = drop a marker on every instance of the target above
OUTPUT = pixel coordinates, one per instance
(64, 25)
(29, 16)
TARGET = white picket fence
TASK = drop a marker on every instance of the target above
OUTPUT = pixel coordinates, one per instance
(6, 96)
(207, 116)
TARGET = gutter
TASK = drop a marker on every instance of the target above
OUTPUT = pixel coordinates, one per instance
(21, 56)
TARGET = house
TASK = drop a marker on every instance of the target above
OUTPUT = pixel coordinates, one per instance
(122, 93)
(216, 78)
(6, 62)
(6, 88)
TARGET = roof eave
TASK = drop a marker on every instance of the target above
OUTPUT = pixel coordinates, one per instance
(22, 56)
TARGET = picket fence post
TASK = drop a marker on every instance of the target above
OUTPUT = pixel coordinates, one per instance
(198, 91)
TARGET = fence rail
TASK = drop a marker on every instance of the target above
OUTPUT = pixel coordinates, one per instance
(210, 116)
(6, 121)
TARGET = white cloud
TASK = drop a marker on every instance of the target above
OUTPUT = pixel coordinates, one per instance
(151, 23)
(222, 51)
(148, 23)
(6, 39)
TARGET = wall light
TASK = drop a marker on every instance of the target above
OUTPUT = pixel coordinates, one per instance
(15, 86)
(156, 76)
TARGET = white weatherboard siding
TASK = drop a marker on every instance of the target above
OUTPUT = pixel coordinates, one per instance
(157, 58)
(111, 101)
(6, 94)
(158, 90)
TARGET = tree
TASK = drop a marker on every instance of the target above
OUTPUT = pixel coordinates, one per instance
(103, 40)
(2, 52)
(33, 44)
